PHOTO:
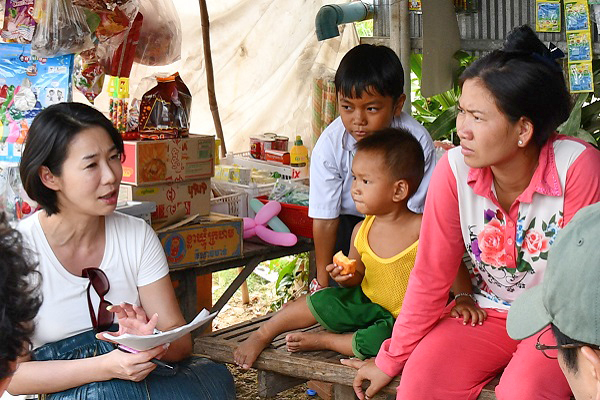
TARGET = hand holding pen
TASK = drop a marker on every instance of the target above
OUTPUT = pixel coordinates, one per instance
(153, 360)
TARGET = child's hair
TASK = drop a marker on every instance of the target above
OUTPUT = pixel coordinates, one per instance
(369, 68)
(19, 297)
(402, 154)
(525, 81)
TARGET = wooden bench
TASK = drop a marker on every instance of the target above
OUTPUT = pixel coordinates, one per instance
(279, 370)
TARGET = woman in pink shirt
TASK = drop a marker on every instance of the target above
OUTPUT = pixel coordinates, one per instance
(503, 195)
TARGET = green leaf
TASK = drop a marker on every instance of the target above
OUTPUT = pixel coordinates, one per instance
(416, 64)
(585, 135)
(524, 266)
(544, 225)
(443, 125)
(422, 110)
(544, 255)
(531, 225)
(590, 111)
(572, 124)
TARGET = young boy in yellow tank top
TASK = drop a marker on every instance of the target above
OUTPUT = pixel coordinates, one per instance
(359, 316)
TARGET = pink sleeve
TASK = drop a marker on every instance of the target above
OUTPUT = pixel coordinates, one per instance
(440, 250)
(583, 183)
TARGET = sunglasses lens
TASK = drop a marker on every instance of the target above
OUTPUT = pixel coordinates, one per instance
(99, 280)
(105, 317)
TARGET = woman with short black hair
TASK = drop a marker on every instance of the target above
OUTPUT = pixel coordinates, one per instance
(92, 261)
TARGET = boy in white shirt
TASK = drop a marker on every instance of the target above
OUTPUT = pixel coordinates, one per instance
(369, 84)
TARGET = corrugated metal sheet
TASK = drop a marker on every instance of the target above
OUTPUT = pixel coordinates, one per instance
(484, 29)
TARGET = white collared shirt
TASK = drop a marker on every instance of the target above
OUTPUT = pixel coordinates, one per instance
(331, 169)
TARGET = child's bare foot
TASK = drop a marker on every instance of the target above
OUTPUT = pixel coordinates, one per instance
(247, 352)
(305, 341)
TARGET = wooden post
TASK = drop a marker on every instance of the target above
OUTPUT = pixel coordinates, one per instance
(244, 289)
(210, 78)
(400, 41)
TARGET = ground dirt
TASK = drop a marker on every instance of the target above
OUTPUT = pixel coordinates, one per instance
(235, 312)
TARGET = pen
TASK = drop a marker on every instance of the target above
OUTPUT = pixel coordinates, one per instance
(154, 360)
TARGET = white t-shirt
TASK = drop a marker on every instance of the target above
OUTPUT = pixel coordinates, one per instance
(133, 257)
(331, 169)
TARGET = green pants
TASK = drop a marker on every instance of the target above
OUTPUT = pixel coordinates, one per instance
(342, 310)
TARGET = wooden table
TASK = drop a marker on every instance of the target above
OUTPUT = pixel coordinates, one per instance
(254, 254)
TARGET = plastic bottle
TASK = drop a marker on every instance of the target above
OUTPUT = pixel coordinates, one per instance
(299, 159)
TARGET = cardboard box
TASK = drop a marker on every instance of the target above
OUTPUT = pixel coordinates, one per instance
(184, 199)
(203, 240)
(149, 162)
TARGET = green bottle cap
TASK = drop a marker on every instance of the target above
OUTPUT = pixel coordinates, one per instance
(298, 141)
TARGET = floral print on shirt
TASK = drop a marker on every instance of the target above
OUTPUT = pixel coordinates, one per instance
(487, 248)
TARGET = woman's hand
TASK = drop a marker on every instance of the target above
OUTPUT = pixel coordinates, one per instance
(367, 371)
(466, 308)
(131, 367)
(132, 319)
(335, 273)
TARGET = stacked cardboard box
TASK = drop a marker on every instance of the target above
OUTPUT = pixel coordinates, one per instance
(173, 173)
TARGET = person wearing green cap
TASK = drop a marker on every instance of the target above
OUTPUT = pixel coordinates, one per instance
(567, 303)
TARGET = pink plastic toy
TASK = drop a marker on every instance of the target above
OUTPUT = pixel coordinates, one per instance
(257, 226)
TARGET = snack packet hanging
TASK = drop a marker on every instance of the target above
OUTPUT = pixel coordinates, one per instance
(62, 29)
(19, 24)
(99, 5)
(160, 38)
(88, 74)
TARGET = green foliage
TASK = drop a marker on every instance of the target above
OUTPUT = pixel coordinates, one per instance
(584, 121)
(364, 28)
(292, 278)
(437, 113)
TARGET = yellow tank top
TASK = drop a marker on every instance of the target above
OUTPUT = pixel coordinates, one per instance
(386, 279)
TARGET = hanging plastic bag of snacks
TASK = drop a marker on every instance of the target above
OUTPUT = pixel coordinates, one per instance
(62, 29)
(160, 38)
(88, 74)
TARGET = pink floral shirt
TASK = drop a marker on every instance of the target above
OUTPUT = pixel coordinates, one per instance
(508, 247)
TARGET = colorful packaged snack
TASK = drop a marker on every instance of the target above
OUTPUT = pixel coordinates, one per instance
(164, 110)
(19, 24)
(88, 75)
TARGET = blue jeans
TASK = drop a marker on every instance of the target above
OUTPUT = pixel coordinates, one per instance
(193, 378)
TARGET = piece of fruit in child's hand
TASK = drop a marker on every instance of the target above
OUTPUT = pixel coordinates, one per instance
(348, 265)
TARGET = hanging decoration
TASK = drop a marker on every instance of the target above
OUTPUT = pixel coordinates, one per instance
(579, 45)
(547, 16)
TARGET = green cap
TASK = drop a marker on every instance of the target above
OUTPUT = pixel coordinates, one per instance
(569, 294)
(298, 141)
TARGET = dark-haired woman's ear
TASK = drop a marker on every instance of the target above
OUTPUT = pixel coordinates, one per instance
(525, 127)
(401, 190)
(48, 178)
(399, 104)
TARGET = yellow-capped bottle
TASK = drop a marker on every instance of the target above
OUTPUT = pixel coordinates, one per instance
(299, 159)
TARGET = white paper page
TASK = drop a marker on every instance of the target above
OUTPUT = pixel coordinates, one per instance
(146, 342)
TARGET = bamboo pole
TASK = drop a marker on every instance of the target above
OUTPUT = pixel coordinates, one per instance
(212, 100)
(210, 78)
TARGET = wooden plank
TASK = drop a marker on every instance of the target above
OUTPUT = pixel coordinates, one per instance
(301, 365)
(271, 383)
